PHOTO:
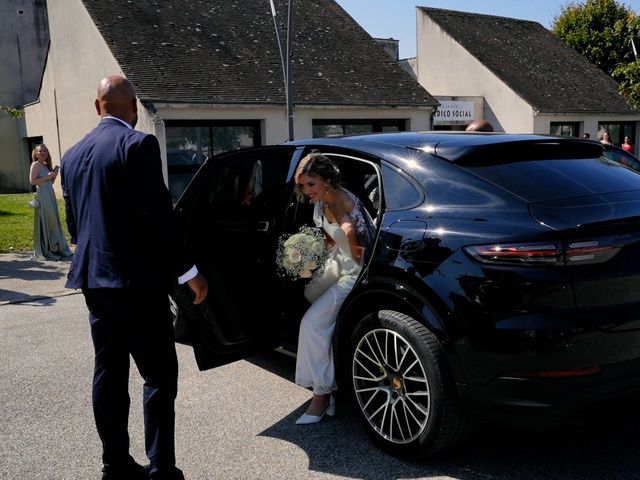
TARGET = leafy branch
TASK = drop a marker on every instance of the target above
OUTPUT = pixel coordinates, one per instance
(12, 112)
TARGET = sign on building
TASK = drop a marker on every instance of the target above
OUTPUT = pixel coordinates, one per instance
(452, 112)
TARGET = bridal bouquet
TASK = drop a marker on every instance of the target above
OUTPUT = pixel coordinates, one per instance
(301, 253)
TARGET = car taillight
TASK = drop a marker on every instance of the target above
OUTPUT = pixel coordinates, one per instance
(547, 254)
(589, 252)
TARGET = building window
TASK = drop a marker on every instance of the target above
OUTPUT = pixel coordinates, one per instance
(565, 129)
(336, 128)
(189, 143)
(617, 131)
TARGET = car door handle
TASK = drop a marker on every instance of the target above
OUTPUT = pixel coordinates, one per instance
(263, 226)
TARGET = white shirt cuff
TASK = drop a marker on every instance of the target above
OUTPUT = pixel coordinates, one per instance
(184, 278)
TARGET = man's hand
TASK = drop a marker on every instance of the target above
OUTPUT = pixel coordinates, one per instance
(200, 288)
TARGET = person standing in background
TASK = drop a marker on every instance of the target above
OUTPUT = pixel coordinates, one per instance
(120, 217)
(626, 145)
(49, 242)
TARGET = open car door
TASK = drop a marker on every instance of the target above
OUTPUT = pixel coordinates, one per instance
(231, 216)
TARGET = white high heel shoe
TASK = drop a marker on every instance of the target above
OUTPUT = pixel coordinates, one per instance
(307, 419)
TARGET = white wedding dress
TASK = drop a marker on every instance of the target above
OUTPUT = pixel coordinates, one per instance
(326, 292)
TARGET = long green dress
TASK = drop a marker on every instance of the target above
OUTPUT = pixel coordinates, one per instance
(49, 242)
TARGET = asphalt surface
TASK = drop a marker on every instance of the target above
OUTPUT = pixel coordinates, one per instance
(24, 279)
(237, 421)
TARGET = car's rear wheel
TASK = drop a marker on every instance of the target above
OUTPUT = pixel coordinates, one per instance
(402, 387)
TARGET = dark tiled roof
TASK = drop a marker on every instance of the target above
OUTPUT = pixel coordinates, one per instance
(533, 62)
(225, 51)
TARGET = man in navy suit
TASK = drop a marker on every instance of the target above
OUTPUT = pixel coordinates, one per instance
(127, 256)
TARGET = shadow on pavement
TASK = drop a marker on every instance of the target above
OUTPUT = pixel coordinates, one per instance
(8, 296)
(25, 279)
(605, 446)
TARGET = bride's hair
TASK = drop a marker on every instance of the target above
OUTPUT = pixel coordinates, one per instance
(317, 165)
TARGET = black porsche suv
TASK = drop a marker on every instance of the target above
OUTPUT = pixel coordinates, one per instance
(504, 283)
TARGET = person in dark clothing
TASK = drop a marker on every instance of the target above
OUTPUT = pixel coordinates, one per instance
(119, 215)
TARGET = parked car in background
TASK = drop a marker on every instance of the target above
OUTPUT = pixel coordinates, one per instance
(504, 284)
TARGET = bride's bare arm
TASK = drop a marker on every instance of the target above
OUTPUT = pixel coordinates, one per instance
(350, 231)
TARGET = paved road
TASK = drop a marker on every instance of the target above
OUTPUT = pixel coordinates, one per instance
(24, 279)
(236, 421)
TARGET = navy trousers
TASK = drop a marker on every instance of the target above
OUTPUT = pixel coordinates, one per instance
(136, 323)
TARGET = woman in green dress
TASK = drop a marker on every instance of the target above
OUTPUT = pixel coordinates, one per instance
(48, 239)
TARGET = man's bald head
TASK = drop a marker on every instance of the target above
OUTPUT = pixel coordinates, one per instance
(479, 126)
(117, 98)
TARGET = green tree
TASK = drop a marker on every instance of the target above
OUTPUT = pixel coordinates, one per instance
(628, 77)
(602, 31)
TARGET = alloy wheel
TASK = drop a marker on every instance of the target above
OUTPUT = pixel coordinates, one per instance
(391, 386)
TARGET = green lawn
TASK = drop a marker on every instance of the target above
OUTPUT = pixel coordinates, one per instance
(16, 222)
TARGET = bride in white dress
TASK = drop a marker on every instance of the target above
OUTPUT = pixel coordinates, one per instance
(349, 233)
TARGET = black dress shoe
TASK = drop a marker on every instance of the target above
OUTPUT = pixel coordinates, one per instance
(130, 472)
(174, 474)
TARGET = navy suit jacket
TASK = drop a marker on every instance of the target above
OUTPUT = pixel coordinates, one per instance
(119, 211)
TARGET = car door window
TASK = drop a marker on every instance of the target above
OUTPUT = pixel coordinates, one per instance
(359, 176)
(405, 193)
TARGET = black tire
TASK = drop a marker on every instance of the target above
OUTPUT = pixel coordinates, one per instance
(402, 388)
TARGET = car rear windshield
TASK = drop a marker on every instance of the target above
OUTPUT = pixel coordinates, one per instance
(544, 180)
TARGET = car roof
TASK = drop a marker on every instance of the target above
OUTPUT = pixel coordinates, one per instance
(463, 147)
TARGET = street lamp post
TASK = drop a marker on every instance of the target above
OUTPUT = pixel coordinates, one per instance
(286, 62)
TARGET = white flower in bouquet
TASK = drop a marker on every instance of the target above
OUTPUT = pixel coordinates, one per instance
(301, 253)
(294, 255)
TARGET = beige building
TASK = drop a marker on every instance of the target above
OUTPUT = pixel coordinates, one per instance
(24, 41)
(517, 75)
(209, 76)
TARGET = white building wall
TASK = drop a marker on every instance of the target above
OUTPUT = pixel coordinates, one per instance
(78, 59)
(40, 117)
(446, 69)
